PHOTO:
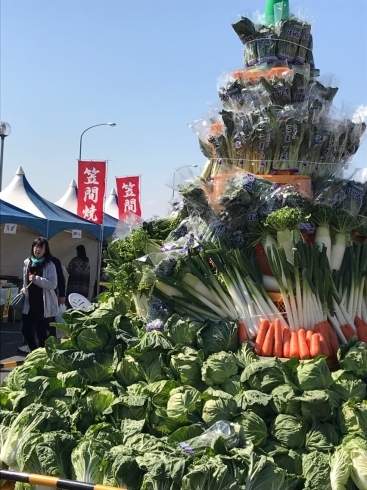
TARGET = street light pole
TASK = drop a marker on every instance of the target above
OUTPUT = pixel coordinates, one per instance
(5, 130)
(173, 179)
(81, 136)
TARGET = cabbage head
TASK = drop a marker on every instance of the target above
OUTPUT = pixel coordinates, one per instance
(284, 400)
(289, 430)
(356, 448)
(215, 410)
(218, 367)
(264, 375)
(314, 374)
(352, 357)
(347, 385)
(182, 330)
(186, 365)
(320, 405)
(316, 471)
(254, 427)
(322, 437)
(352, 418)
(257, 402)
(218, 336)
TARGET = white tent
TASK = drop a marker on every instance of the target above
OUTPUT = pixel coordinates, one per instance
(111, 204)
(60, 224)
(69, 200)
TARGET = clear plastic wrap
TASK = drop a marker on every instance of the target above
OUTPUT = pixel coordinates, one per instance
(231, 433)
(290, 195)
(287, 38)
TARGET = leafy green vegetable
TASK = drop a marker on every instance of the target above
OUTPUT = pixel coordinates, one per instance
(352, 418)
(216, 409)
(254, 427)
(87, 458)
(314, 375)
(32, 418)
(48, 453)
(183, 400)
(186, 365)
(128, 371)
(316, 470)
(322, 437)
(353, 358)
(219, 336)
(319, 405)
(339, 468)
(347, 385)
(121, 469)
(289, 430)
(264, 375)
(285, 400)
(257, 401)
(219, 367)
(182, 330)
(209, 473)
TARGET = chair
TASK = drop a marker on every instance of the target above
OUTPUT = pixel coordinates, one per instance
(78, 301)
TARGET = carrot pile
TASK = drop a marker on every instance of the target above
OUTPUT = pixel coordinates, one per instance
(273, 339)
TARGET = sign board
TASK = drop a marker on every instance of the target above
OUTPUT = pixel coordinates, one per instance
(91, 190)
(76, 233)
(10, 228)
(128, 195)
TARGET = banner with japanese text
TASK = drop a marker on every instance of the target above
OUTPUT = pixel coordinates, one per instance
(91, 190)
(128, 196)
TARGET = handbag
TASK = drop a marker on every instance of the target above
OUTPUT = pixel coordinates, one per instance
(17, 302)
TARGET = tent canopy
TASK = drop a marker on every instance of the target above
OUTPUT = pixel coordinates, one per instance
(69, 201)
(111, 204)
(12, 214)
(21, 194)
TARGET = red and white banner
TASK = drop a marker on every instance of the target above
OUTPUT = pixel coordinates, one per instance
(128, 196)
(91, 190)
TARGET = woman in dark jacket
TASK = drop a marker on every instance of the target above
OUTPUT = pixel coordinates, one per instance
(79, 273)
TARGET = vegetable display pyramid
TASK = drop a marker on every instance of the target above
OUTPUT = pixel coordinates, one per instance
(228, 352)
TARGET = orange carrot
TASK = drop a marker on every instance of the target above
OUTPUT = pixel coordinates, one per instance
(278, 338)
(268, 345)
(293, 347)
(263, 329)
(361, 328)
(347, 331)
(333, 338)
(308, 338)
(286, 340)
(358, 322)
(304, 352)
(242, 332)
(324, 331)
(362, 334)
(315, 347)
(324, 345)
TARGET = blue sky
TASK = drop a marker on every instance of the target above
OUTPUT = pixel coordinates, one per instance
(150, 66)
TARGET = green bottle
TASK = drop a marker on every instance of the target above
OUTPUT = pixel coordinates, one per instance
(276, 10)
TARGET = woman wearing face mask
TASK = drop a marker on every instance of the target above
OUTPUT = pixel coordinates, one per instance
(41, 303)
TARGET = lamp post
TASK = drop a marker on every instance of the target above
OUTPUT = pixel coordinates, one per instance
(81, 136)
(5, 130)
(173, 179)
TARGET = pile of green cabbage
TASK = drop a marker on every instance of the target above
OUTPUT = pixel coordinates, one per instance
(112, 403)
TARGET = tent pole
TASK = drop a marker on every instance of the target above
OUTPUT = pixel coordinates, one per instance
(99, 262)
